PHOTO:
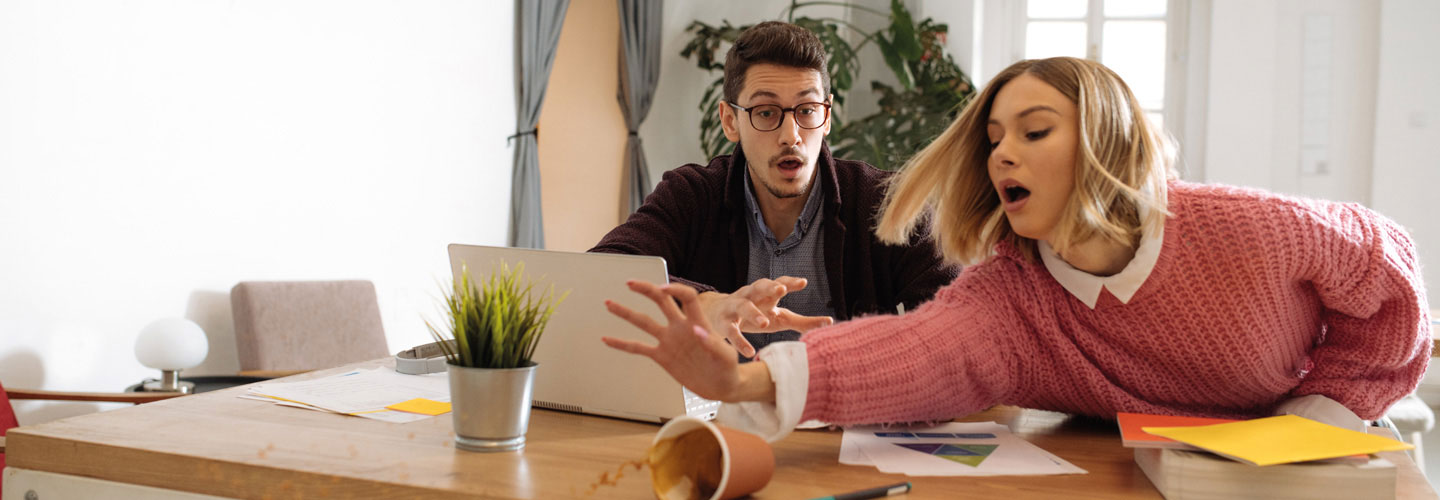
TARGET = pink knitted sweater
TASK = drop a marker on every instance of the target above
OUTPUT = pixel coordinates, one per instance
(1256, 298)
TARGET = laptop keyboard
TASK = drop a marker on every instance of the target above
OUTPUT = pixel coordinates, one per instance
(699, 407)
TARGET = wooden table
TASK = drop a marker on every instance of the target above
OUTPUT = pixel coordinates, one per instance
(217, 444)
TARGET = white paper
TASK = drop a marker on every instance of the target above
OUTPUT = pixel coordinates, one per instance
(281, 402)
(362, 393)
(850, 453)
(395, 417)
(1010, 455)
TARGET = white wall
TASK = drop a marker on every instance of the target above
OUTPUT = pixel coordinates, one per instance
(1253, 136)
(1407, 127)
(154, 153)
(961, 43)
(1385, 117)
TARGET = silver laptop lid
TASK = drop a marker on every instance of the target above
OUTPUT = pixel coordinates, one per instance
(577, 371)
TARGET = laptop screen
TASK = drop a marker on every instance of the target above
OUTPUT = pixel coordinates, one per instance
(577, 372)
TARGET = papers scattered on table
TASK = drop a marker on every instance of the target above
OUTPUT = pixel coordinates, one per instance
(953, 449)
(1278, 440)
(363, 393)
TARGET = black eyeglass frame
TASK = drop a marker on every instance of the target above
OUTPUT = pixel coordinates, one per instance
(750, 113)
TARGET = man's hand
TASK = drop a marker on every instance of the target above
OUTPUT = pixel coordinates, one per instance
(754, 309)
(698, 360)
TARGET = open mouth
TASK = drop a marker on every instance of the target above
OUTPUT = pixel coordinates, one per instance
(1014, 193)
(790, 164)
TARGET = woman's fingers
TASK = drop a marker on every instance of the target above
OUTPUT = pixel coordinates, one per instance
(738, 340)
(691, 305)
(657, 294)
(688, 302)
(630, 346)
(640, 320)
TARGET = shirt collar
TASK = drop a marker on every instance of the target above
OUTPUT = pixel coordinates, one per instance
(802, 224)
(1122, 285)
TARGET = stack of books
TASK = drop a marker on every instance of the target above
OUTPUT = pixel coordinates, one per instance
(1227, 459)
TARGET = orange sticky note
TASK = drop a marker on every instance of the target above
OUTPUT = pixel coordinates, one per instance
(422, 406)
(1133, 437)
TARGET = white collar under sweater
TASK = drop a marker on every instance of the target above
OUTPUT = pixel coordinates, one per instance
(1122, 285)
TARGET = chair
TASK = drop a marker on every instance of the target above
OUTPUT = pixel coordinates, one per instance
(284, 327)
(1411, 418)
(7, 413)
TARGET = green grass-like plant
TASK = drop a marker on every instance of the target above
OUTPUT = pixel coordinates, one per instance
(497, 324)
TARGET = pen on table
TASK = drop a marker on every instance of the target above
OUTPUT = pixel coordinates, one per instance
(879, 492)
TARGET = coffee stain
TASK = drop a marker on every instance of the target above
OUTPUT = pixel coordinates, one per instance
(698, 473)
(607, 480)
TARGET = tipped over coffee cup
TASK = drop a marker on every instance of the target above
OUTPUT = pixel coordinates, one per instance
(692, 459)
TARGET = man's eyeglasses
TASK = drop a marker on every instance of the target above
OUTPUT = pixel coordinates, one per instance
(767, 117)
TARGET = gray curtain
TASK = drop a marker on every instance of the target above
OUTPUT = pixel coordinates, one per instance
(537, 32)
(639, 71)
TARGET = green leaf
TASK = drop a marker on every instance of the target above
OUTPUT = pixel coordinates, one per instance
(497, 324)
(892, 59)
(902, 30)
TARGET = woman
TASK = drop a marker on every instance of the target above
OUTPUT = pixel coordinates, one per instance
(1098, 284)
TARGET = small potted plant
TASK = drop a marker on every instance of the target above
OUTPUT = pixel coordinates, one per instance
(492, 332)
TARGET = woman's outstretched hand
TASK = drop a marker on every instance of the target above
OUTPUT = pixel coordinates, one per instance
(686, 348)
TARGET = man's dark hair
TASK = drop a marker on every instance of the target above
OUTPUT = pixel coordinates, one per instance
(773, 42)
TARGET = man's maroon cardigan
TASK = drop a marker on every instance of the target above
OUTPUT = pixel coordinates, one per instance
(695, 219)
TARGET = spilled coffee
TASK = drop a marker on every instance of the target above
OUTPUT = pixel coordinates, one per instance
(686, 467)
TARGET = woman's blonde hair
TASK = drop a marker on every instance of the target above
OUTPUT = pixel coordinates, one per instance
(1122, 166)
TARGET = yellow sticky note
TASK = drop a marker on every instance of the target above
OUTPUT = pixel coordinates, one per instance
(422, 406)
(1279, 440)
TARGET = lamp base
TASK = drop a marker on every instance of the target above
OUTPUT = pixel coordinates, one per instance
(169, 382)
(202, 383)
(158, 386)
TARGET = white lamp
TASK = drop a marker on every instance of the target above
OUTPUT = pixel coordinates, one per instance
(171, 345)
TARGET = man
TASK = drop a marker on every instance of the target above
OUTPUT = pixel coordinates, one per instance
(780, 213)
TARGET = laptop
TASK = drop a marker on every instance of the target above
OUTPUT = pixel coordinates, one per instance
(578, 372)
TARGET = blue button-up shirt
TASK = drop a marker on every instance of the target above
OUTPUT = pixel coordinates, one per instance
(801, 255)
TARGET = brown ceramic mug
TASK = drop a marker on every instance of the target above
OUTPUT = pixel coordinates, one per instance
(694, 459)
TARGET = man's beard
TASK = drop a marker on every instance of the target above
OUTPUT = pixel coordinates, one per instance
(775, 162)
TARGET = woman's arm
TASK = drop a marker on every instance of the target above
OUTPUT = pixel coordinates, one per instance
(755, 384)
(1377, 341)
(953, 356)
(947, 359)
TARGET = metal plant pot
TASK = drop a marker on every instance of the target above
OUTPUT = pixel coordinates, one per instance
(490, 406)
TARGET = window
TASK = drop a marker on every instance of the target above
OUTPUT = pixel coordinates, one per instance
(1129, 36)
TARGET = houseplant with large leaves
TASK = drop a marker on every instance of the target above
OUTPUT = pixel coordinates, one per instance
(932, 88)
